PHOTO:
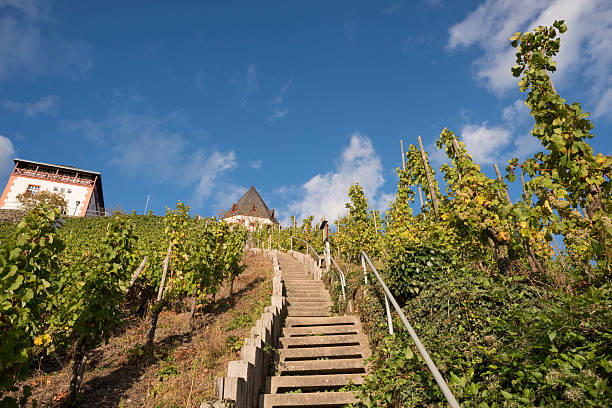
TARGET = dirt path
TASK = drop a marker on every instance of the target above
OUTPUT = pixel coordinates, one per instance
(185, 362)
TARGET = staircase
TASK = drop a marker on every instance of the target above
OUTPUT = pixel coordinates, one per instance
(317, 354)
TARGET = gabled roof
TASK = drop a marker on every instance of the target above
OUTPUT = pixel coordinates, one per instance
(251, 204)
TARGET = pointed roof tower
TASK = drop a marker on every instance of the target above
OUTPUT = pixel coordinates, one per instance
(251, 204)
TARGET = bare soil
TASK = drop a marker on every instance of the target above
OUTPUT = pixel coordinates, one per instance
(181, 370)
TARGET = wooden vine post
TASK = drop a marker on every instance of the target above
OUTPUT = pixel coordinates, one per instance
(531, 258)
(136, 274)
(457, 150)
(420, 197)
(158, 302)
(432, 192)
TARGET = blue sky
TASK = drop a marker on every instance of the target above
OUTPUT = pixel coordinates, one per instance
(197, 101)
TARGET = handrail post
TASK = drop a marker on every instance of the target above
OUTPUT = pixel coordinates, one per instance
(389, 319)
(365, 270)
(291, 240)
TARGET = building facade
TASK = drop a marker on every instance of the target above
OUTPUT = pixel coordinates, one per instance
(82, 189)
(250, 211)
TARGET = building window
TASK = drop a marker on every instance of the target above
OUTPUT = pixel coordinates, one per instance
(69, 191)
(33, 189)
(55, 188)
(63, 190)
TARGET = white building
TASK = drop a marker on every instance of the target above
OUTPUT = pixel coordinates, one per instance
(81, 188)
(250, 211)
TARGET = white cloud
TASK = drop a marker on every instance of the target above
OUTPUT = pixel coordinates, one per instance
(516, 112)
(586, 48)
(155, 147)
(279, 111)
(255, 164)
(30, 43)
(391, 9)
(490, 144)
(247, 83)
(497, 144)
(7, 152)
(327, 193)
(226, 196)
(349, 31)
(485, 143)
(47, 104)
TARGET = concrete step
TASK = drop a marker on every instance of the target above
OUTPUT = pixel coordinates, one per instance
(308, 299)
(278, 384)
(317, 353)
(307, 287)
(320, 330)
(320, 321)
(304, 285)
(316, 367)
(309, 306)
(308, 290)
(314, 399)
(308, 313)
(321, 341)
(311, 353)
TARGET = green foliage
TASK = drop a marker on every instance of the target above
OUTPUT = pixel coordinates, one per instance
(567, 177)
(499, 342)
(106, 277)
(412, 267)
(357, 230)
(29, 201)
(28, 265)
(64, 281)
(506, 323)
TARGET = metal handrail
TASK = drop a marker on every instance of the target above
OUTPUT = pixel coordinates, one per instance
(307, 246)
(277, 244)
(450, 398)
(342, 278)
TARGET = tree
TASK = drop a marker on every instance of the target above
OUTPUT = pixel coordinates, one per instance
(29, 201)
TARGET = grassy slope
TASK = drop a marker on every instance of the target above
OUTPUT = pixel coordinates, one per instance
(185, 362)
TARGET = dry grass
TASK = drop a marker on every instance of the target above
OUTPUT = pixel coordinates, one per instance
(182, 368)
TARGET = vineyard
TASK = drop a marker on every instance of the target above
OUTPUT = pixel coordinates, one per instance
(511, 316)
(511, 298)
(66, 283)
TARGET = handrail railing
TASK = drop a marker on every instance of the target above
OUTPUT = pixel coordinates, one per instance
(342, 278)
(307, 246)
(277, 244)
(430, 364)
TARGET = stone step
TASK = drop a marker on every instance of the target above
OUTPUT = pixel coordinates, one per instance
(308, 287)
(308, 313)
(310, 353)
(307, 299)
(320, 321)
(322, 330)
(316, 367)
(278, 384)
(304, 284)
(309, 304)
(311, 399)
(320, 341)
(317, 353)
(308, 290)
